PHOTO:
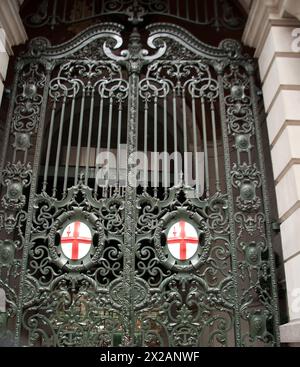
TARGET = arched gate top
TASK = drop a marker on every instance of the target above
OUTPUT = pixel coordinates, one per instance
(159, 32)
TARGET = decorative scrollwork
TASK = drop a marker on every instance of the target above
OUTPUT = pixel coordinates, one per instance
(251, 223)
(247, 179)
(187, 301)
(135, 57)
(15, 177)
(179, 76)
(28, 102)
(74, 317)
(239, 109)
(149, 213)
(219, 296)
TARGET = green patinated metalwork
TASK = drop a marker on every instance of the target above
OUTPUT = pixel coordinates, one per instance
(129, 291)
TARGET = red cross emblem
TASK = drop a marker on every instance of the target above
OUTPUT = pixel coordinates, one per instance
(182, 240)
(76, 240)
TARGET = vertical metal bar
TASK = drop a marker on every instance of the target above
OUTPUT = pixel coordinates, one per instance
(82, 10)
(187, 7)
(169, 7)
(69, 142)
(79, 136)
(65, 11)
(176, 173)
(216, 12)
(155, 167)
(233, 239)
(74, 12)
(98, 141)
(14, 156)
(25, 155)
(88, 151)
(49, 146)
(249, 155)
(129, 245)
(185, 141)
(165, 143)
(53, 20)
(93, 8)
(177, 8)
(119, 144)
(196, 158)
(109, 139)
(61, 126)
(213, 121)
(196, 5)
(206, 20)
(205, 146)
(145, 143)
(109, 123)
(137, 136)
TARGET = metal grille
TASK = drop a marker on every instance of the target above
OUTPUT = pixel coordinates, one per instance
(86, 116)
(71, 102)
(217, 13)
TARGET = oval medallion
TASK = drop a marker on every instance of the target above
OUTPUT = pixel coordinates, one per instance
(76, 240)
(182, 240)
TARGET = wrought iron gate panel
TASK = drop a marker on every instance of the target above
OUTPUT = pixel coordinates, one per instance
(75, 100)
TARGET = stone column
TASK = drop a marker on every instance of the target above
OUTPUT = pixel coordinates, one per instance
(12, 33)
(3, 60)
(270, 29)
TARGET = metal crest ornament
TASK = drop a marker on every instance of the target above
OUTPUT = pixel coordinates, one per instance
(15, 177)
(101, 250)
(182, 240)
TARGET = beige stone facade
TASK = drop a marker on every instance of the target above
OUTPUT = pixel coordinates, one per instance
(272, 29)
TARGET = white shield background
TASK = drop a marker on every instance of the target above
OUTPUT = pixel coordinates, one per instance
(84, 233)
(173, 240)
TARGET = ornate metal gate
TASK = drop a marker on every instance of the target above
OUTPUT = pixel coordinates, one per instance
(74, 102)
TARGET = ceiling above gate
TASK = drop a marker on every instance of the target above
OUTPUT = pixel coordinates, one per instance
(217, 13)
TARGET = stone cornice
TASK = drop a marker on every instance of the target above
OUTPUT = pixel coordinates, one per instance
(292, 7)
(262, 16)
(11, 22)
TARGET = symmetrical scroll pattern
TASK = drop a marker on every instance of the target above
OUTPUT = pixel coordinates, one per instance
(182, 96)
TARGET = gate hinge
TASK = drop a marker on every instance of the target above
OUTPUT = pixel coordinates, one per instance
(7, 92)
(259, 92)
(276, 226)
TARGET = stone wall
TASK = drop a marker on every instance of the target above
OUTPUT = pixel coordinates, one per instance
(270, 29)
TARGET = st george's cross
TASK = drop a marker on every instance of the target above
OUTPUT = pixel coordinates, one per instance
(76, 240)
(182, 240)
